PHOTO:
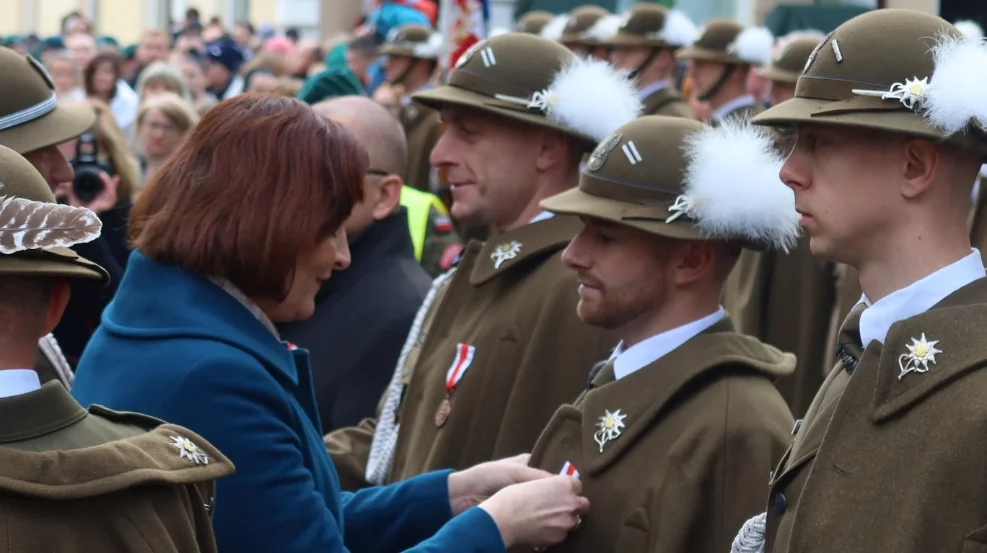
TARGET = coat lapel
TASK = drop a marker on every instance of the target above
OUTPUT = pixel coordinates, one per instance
(643, 396)
(512, 248)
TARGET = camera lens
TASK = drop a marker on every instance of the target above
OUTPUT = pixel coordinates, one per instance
(87, 183)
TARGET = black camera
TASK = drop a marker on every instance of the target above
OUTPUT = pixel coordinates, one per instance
(88, 182)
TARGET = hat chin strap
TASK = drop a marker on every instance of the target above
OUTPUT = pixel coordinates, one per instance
(30, 113)
(647, 61)
(722, 80)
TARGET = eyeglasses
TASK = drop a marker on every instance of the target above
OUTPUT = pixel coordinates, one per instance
(162, 128)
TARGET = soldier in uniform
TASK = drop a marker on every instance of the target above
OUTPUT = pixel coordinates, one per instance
(674, 434)
(784, 70)
(785, 299)
(645, 45)
(412, 56)
(888, 139)
(74, 480)
(575, 35)
(533, 22)
(482, 370)
(719, 61)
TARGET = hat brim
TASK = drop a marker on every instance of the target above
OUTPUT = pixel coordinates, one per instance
(777, 75)
(54, 262)
(852, 113)
(61, 125)
(448, 95)
(581, 204)
(703, 54)
(619, 40)
(391, 50)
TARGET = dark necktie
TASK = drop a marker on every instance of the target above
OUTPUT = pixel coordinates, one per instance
(848, 346)
(602, 373)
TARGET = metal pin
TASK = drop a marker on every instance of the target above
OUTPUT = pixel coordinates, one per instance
(836, 51)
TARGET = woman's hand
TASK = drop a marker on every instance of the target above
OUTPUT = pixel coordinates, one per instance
(538, 514)
(470, 487)
(105, 201)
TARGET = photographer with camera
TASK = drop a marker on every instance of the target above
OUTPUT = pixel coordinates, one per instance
(33, 124)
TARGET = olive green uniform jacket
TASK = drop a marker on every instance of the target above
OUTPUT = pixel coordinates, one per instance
(888, 465)
(74, 481)
(531, 354)
(704, 425)
(666, 102)
(422, 127)
(786, 300)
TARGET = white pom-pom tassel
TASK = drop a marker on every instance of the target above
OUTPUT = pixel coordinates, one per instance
(957, 94)
(592, 98)
(754, 46)
(970, 29)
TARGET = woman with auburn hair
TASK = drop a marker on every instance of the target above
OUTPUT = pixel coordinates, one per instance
(237, 231)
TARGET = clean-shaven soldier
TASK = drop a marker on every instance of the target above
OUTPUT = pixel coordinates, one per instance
(718, 63)
(786, 299)
(483, 370)
(645, 45)
(674, 435)
(889, 125)
(74, 480)
(412, 54)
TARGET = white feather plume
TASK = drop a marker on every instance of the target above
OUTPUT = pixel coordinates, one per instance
(605, 27)
(753, 45)
(555, 27)
(430, 49)
(31, 225)
(679, 30)
(957, 93)
(592, 98)
(733, 187)
(970, 29)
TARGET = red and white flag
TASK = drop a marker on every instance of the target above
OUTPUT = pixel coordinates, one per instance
(463, 23)
(568, 469)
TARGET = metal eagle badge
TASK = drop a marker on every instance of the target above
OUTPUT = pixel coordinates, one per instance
(603, 149)
(921, 352)
(190, 451)
(609, 427)
(505, 252)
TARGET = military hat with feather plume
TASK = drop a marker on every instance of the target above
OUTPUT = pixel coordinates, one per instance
(414, 41)
(540, 82)
(652, 25)
(678, 178)
(899, 71)
(788, 64)
(578, 24)
(36, 233)
(533, 22)
(726, 41)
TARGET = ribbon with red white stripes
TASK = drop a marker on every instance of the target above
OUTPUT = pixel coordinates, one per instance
(568, 469)
(462, 362)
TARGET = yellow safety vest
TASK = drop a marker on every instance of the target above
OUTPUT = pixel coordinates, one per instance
(419, 204)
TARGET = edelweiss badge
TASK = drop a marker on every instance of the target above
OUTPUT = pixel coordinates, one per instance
(911, 94)
(190, 451)
(921, 352)
(505, 252)
(609, 427)
(603, 149)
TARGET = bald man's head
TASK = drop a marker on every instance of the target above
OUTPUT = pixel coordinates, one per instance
(379, 131)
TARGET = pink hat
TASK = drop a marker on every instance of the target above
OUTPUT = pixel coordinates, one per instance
(279, 45)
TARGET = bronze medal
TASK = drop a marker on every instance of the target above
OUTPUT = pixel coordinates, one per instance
(442, 413)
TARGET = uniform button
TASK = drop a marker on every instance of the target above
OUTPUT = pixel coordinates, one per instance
(780, 502)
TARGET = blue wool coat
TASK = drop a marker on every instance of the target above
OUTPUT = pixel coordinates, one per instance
(176, 346)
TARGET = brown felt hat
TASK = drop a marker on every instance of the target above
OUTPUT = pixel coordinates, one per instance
(633, 177)
(30, 117)
(848, 74)
(726, 41)
(20, 179)
(415, 41)
(533, 22)
(512, 75)
(580, 21)
(648, 25)
(790, 62)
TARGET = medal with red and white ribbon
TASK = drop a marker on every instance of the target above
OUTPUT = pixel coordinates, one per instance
(568, 469)
(460, 364)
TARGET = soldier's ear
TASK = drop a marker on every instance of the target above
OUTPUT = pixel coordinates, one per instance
(58, 298)
(388, 198)
(921, 167)
(553, 149)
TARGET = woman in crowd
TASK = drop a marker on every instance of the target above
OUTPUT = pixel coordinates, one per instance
(66, 76)
(162, 123)
(160, 77)
(232, 236)
(259, 80)
(102, 78)
(195, 77)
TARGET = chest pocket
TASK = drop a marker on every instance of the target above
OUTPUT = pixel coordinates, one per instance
(635, 532)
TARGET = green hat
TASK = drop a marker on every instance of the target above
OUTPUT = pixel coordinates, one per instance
(330, 83)
(30, 116)
(533, 22)
(537, 81)
(416, 41)
(579, 22)
(655, 26)
(900, 71)
(788, 65)
(726, 41)
(35, 231)
(678, 178)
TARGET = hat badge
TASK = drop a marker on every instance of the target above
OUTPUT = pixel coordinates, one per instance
(911, 94)
(190, 451)
(599, 156)
(465, 57)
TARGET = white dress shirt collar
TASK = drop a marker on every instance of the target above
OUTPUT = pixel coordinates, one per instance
(737, 103)
(918, 297)
(15, 382)
(651, 89)
(648, 351)
(541, 217)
